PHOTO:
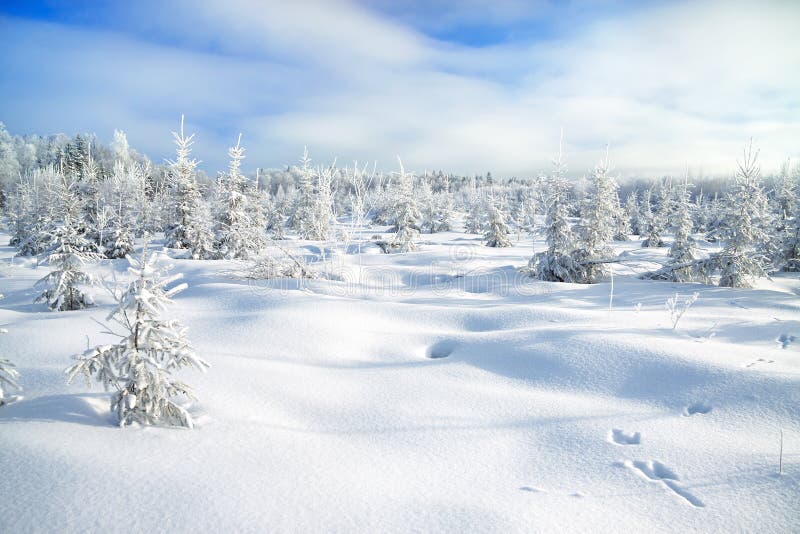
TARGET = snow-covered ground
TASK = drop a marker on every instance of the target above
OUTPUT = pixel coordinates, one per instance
(431, 391)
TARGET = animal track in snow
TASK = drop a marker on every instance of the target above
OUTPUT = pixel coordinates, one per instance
(786, 339)
(758, 361)
(655, 471)
(620, 437)
(697, 407)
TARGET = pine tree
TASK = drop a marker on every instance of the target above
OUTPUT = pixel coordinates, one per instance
(746, 223)
(257, 216)
(200, 230)
(557, 264)
(68, 254)
(191, 226)
(275, 218)
(304, 201)
(140, 366)
(632, 213)
(427, 221)
(786, 251)
(653, 223)
(233, 213)
(406, 213)
(596, 228)
(497, 230)
(443, 208)
(622, 222)
(319, 225)
(474, 222)
(786, 193)
(682, 265)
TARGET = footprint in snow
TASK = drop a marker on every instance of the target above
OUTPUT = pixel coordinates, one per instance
(620, 437)
(697, 408)
(441, 349)
(785, 340)
(656, 472)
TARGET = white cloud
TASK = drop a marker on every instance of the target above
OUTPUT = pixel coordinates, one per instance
(666, 86)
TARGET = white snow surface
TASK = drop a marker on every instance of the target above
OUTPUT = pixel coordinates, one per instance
(433, 391)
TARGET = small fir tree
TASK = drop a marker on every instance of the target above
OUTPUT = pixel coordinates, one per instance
(746, 223)
(406, 213)
(140, 366)
(497, 230)
(597, 226)
(69, 252)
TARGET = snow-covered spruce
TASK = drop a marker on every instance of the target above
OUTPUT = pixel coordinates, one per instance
(597, 226)
(682, 265)
(61, 287)
(406, 213)
(474, 221)
(497, 230)
(746, 222)
(622, 221)
(682, 249)
(191, 225)
(652, 223)
(140, 366)
(631, 210)
(239, 226)
(313, 213)
(556, 264)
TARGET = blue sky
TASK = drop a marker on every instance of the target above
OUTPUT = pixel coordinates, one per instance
(466, 86)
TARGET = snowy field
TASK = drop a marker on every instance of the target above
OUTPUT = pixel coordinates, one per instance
(431, 391)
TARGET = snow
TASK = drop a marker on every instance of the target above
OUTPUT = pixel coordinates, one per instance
(436, 390)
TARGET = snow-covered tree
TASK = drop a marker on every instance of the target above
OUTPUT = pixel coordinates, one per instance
(557, 264)
(9, 164)
(118, 214)
(497, 230)
(200, 230)
(236, 235)
(652, 221)
(746, 222)
(427, 222)
(275, 215)
(191, 225)
(682, 249)
(631, 210)
(69, 252)
(474, 221)
(443, 208)
(682, 266)
(19, 211)
(120, 147)
(319, 225)
(313, 213)
(140, 366)
(622, 222)
(304, 197)
(597, 226)
(406, 213)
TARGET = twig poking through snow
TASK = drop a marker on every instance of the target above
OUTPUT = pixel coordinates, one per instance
(676, 310)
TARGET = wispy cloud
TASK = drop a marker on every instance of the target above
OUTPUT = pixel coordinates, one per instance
(665, 84)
